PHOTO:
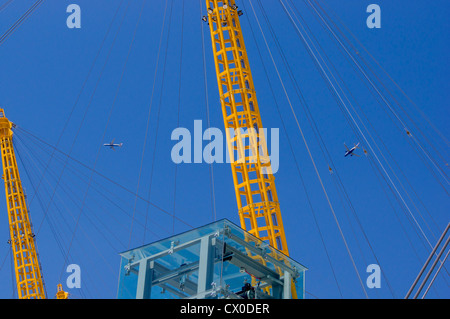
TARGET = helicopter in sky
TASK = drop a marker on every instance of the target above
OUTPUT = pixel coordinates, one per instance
(112, 145)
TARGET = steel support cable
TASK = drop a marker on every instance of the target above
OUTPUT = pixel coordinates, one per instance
(158, 115)
(384, 86)
(386, 149)
(81, 90)
(302, 99)
(148, 123)
(72, 217)
(414, 219)
(57, 235)
(101, 190)
(384, 71)
(35, 162)
(22, 19)
(428, 261)
(384, 146)
(84, 116)
(67, 156)
(293, 154)
(78, 174)
(359, 129)
(373, 85)
(380, 176)
(124, 67)
(414, 145)
(211, 166)
(5, 5)
(69, 192)
(178, 112)
(335, 176)
(423, 115)
(310, 155)
(397, 178)
(430, 271)
(338, 183)
(435, 275)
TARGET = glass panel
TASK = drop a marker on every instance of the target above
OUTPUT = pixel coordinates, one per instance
(237, 259)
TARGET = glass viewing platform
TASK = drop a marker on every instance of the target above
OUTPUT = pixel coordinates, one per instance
(217, 261)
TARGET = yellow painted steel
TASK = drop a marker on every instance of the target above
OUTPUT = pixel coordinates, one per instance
(256, 195)
(254, 183)
(30, 284)
(61, 294)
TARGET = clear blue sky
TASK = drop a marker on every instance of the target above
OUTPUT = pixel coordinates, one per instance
(44, 65)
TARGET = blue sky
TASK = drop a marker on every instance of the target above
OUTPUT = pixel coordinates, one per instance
(45, 64)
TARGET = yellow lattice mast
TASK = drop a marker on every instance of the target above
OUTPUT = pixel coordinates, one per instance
(30, 284)
(256, 195)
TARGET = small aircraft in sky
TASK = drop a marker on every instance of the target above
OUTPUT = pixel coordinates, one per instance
(112, 145)
(351, 150)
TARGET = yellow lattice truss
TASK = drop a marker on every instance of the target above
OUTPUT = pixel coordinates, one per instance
(28, 275)
(256, 195)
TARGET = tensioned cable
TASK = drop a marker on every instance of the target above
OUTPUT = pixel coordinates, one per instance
(22, 19)
(86, 110)
(384, 71)
(427, 261)
(408, 133)
(435, 275)
(423, 115)
(158, 113)
(295, 158)
(413, 217)
(178, 112)
(5, 5)
(81, 91)
(333, 171)
(108, 121)
(377, 90)
(438, 257)
(356, 124)
(102, 175)
(317, 173)
(335, 176)
(69, 192)
(311, 157)
(57, 235)
(148, 123)
(366, 129)
(211, 165)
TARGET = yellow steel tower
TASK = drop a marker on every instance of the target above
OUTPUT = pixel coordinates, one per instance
(30, 284)
(256, 195)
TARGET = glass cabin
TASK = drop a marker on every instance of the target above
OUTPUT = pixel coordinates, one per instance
(217, 261)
